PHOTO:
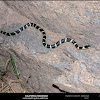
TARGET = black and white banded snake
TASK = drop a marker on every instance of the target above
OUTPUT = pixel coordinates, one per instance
(44, 37)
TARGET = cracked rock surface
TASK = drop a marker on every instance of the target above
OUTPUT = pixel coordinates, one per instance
(66, 67)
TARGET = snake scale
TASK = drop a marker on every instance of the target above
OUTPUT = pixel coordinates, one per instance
(44, 37)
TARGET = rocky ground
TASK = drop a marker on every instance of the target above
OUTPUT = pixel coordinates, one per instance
(63, 69)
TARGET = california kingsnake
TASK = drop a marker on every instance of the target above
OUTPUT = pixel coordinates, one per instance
(44, 37)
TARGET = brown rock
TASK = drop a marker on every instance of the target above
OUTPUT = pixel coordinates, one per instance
(78, 20)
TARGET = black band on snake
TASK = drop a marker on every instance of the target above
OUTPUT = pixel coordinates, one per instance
(44, 37)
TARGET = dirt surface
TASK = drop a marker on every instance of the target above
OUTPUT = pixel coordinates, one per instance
(66, 67)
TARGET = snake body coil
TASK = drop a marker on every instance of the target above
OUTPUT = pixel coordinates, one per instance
(44, 37)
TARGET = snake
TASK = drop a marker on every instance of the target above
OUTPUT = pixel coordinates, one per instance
(44, 37)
